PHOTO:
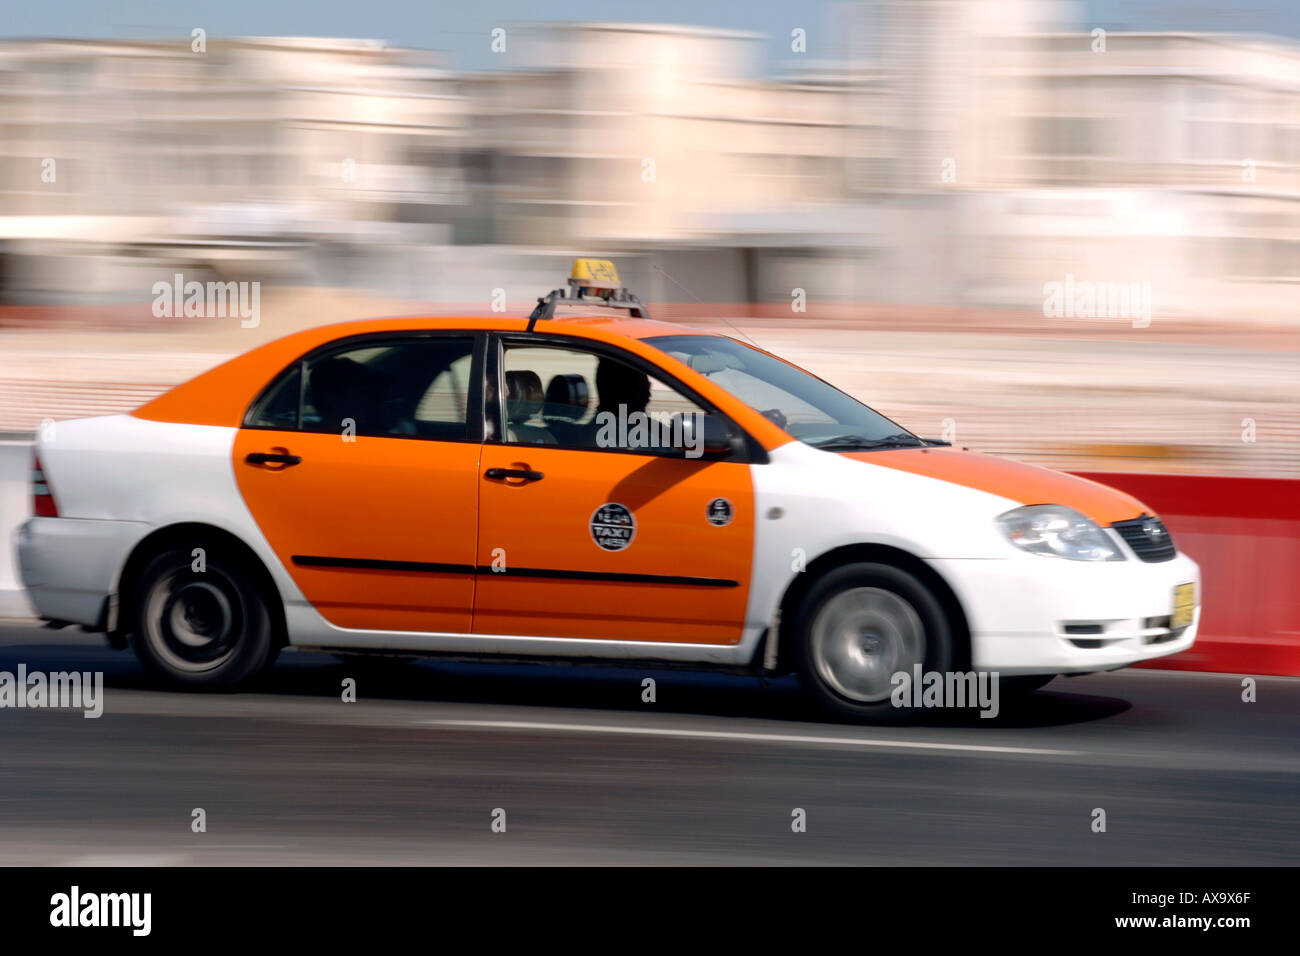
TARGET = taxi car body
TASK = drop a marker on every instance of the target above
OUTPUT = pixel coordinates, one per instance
(591, 487)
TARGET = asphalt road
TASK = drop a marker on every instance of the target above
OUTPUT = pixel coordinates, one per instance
(587, 773)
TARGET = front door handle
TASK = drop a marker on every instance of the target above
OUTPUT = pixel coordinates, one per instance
(265, 458)
(522, 474)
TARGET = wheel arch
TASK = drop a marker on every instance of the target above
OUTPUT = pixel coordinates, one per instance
(188, 535)
(877, 554)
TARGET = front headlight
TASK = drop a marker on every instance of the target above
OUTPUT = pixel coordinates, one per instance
(1058, 531)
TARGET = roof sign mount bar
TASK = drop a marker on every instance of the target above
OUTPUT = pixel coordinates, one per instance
(592, 282)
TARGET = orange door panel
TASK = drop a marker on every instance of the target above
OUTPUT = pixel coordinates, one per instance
(612, 545)
(378, 533)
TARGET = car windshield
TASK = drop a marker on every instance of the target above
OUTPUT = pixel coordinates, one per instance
(806, 407)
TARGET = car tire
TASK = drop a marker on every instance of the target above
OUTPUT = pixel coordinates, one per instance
(203, 629)
(857, 626)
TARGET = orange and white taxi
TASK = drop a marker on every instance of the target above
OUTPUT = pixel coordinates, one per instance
(598, 486)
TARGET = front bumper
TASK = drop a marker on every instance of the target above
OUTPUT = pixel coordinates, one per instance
(1044, 615)
(70, 566)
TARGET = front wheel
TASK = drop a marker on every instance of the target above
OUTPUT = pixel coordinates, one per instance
(859, 626)
(209, 628)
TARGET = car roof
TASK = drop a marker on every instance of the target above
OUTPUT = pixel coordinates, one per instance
(602, 326)
(619, 325)
(221, 395)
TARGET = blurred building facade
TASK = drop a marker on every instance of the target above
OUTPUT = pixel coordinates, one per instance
(123, 157)
(959, 152)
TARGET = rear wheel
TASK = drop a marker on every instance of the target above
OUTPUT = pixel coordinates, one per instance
(857, 627)
(210, 628)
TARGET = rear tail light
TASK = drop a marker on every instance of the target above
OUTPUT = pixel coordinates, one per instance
(43, 505)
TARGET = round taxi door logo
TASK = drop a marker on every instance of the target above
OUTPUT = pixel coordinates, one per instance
(719, 512)
(613, 527)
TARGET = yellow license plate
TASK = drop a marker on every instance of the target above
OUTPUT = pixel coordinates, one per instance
(1184, 605)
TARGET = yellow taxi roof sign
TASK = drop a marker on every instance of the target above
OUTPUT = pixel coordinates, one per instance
(594, 274)
(592, 282)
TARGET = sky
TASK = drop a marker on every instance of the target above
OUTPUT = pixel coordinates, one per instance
(462, 28)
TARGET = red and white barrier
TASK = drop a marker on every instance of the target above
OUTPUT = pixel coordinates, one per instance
(1245, 534)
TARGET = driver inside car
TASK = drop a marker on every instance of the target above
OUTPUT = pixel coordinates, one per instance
(621, 391)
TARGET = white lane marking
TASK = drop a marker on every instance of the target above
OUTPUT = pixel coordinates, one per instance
(739, 735)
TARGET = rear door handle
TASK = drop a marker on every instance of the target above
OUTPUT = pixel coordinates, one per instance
(499, 474)
(266, 458)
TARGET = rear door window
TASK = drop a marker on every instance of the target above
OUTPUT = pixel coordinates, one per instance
(403, 388)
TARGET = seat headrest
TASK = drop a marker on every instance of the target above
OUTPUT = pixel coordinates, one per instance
(523, 395)
(567, 397)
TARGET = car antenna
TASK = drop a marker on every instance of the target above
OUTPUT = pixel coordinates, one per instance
(702, 302)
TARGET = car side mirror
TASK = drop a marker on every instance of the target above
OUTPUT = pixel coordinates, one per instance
(705, 436)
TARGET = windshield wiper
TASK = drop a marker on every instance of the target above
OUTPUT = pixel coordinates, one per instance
(858, 443)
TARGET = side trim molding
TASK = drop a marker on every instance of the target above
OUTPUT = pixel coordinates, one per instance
(428, 567)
